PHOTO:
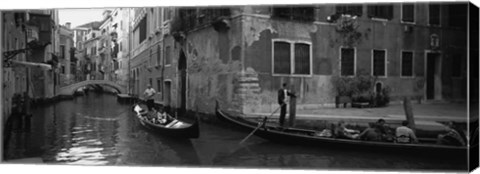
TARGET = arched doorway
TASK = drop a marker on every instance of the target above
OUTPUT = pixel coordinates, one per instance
(182, 85)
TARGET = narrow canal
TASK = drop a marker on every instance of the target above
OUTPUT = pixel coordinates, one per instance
(96, 130)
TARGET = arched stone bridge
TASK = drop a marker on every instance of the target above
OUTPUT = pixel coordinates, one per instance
(70, 89)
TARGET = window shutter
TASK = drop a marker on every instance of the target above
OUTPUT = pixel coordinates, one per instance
(371, 11)
(358, 10)
(389, 9)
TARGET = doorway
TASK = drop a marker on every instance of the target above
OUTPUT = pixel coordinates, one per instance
(167, 95)
(182, 69)
(433, 76)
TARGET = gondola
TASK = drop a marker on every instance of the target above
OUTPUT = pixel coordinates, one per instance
(309, 137)
(174, 128)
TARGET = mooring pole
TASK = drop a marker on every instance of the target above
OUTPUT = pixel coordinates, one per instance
(407, 106)
(293, 107)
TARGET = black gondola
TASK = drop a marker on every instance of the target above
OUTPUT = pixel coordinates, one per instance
(174, 128)
(308, 137)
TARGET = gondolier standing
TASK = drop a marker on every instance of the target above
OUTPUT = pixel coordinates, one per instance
(283, 95)
(149, 93)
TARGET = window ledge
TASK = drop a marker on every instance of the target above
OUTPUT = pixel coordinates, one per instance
(407, 22)
(349, 76)
(385, 76)
(407, 77)
(292, 75)
(379, 19)
(434, 25)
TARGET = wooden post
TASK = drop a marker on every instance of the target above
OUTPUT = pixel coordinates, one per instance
(293, 107)
(407, 106)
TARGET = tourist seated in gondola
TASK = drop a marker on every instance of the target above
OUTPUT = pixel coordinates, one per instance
(384, 130)
(341, 131)
(452, 137)
(161, 116)
(371, 133)
(404, 134)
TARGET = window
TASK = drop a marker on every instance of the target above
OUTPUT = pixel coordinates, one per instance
(150, 59)
(168, 59)
(93, 35)
(379, 63)
(347, 61)
(62, 51)
(281, 58)
(408, 13)
(159, 85)
(159, 53)
(294, 13)
(166, 14)
(457, 15)
(291, 58)
(150, 81)
(380, 11)
(302, 59)
(407, 64)
(141, 30)
(434, 14)
(354, 10)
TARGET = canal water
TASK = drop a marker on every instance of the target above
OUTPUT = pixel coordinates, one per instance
(97, 130)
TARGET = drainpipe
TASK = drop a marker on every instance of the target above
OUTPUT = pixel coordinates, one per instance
(1, 93)
(129, 54)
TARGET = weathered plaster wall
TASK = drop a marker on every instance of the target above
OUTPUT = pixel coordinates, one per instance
(212, 63)
(317, 89)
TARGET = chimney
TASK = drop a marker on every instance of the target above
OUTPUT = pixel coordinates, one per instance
(68, 25)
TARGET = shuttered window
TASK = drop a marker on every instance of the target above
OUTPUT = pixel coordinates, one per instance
(379, 62)
(457, 15)
(159, 55)
(407, 63)
(434, 14)
(281, 58)
(355, 10)
(291, 58)
(168, 59)
(294, 13)
(347, 62)
(302, 59)
(408, 13)
(380, 11)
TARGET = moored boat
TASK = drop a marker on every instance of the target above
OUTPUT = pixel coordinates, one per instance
(173, 128)
(311, 138)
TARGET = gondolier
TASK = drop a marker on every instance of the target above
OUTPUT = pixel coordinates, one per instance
(283, 95)
(149, 93)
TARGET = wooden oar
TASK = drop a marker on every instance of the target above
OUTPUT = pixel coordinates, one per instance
(259, 125)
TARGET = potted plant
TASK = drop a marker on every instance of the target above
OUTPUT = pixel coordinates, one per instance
(383, 98)
(343, 90)
(363, 95)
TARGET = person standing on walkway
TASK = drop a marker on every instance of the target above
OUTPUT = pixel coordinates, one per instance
(149, 93)
(283, 95)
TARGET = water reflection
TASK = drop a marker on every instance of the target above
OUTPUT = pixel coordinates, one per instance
(96, 130)
(271, 155)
